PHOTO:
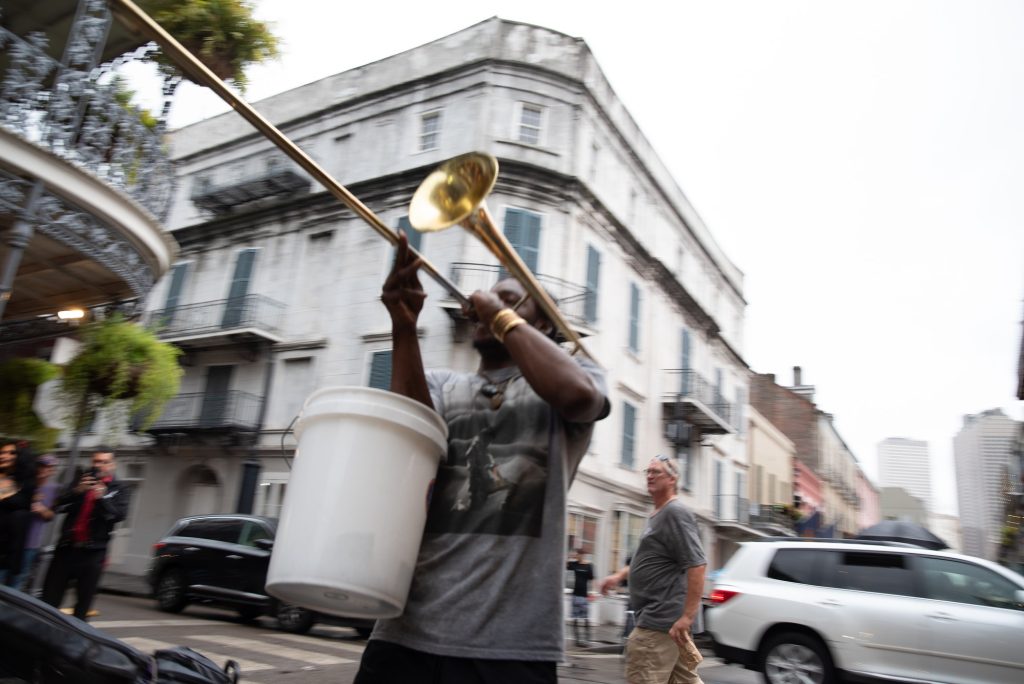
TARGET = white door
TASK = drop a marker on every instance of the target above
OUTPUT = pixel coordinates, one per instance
(975, 625)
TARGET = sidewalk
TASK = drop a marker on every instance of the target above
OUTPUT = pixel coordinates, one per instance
(113, 582)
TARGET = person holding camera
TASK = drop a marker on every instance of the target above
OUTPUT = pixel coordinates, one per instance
(94, 503)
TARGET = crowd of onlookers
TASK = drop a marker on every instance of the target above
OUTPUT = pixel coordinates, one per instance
(27, 496)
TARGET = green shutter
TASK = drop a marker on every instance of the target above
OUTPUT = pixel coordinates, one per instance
(634, 317)
(593, 278)
(380, 370)
(415, 236)
(522, 230)
(234, 311)
(628, 433)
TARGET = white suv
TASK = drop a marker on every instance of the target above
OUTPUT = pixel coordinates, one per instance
(823, 611)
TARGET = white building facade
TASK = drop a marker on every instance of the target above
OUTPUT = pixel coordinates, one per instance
(905, 463)
(276, 292)
(981, 453)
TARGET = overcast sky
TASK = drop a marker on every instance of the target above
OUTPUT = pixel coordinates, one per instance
(861, 162)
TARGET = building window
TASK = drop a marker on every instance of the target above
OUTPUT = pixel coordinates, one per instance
(530, 117)
(580, 533)
(625, 538)
(297, 382)
(685, 456)
(593, 280)
(270, 494)
(415, 236)
(719, 483)
(741, 399)
(174, 294)
(628, 434)
(522, 228)
(236, 311)
(634, 318)
(380, 370)
(430, 131)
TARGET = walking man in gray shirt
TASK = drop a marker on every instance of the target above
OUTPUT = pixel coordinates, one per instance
(666, 579)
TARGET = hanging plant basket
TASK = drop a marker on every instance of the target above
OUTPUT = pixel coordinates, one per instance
(120, 360)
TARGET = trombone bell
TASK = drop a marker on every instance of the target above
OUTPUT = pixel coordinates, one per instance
(452, 191)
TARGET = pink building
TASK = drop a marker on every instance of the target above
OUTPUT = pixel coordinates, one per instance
(807, 486)
(869, 512)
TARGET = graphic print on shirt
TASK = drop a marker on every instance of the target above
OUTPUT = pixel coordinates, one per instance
(495, 475)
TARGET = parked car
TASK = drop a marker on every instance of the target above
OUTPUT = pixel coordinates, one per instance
(822, 611)
(223, 560)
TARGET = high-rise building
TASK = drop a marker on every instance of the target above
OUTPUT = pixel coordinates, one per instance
(905, 463)
(982, 451)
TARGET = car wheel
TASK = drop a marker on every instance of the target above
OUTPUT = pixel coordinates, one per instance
(795, 658)
(294, 619)
(170, 592)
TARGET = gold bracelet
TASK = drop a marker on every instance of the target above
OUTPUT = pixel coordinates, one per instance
(504, 321)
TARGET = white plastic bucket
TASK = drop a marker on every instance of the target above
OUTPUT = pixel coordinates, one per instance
(356, 504)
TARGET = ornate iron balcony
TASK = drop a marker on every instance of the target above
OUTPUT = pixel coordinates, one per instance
(73, 109)
(278, 178)
(210, 411)
(696, 401)
(261, 315)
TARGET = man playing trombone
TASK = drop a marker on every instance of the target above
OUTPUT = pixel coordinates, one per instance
(486, 596)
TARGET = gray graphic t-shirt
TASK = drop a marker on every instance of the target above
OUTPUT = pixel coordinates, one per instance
(488, 579)
(670, 545)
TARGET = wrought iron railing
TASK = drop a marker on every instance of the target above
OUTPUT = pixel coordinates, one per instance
(72, 108)
(731, 508)
(251, 311)
(277, 177)
(771, 514)
(210, 411)
(689, 384)
(570, 297)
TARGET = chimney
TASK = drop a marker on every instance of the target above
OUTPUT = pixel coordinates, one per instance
(796, 376)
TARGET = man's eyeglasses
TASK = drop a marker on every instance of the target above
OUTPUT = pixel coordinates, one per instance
(654, 472)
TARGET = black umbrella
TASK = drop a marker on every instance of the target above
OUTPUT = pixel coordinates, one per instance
(903, 531)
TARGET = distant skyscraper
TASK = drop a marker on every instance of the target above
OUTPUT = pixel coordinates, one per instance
(905, 463)
(981, 451)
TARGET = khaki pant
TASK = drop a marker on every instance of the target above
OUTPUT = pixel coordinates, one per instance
(653, 658)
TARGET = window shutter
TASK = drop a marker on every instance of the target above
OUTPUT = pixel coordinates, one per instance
(522, 229)
(634, 317)
(593, 278)
(415, 236)
(234, 312)
(628, 433)
(380, 370)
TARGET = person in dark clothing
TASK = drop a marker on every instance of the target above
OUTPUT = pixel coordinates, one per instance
(15, 500)
(583, 573)
(94, 503)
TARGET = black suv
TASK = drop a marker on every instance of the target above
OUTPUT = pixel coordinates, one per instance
(223, 560)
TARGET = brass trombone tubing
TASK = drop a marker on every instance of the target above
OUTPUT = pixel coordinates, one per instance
(198, 72)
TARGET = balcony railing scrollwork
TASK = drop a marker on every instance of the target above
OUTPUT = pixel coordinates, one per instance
(257, 313)
(692, 398)
(210, 411)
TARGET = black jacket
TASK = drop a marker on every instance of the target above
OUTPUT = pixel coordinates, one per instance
(107, 511)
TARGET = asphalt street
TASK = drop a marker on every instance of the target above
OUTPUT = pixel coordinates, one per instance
(327, 655)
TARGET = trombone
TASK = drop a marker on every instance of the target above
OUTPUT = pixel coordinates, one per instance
(453, 194)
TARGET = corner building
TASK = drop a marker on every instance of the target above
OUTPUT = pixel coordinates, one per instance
(277, 290)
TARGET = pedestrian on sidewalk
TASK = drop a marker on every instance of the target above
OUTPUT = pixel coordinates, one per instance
(486, 595)
(666, 581)
(15, 499)
(583, 572)
(42, 513)
(94, 503)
